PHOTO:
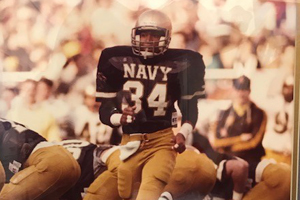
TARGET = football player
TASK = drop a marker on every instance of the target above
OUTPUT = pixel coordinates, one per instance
(155, 77)
(193, 173)
(237, 179)
(33, 167)
(91, 159)
(99, 169)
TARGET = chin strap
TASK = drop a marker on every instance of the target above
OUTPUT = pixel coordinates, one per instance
(145, 54)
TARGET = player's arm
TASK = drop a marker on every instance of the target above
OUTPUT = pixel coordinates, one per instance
(109, 81)
(110, 115)
(105, 92)
(192, 88)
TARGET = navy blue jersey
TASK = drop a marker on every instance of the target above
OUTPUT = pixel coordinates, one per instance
(16, 144)
(153, 84)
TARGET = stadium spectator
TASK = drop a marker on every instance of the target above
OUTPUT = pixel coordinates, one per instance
(57, 107)
(240, 128)
(86, 120)
(279, 133)
(25, 110)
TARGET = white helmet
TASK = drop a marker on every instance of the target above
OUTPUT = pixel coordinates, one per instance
(154, 21)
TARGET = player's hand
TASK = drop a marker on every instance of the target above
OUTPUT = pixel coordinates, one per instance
(179, 143)
(128, 115)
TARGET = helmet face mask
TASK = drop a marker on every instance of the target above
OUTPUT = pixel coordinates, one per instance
(151, 35)
(149, 48)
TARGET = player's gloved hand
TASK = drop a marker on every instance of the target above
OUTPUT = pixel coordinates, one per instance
(128, 115)
(179, 143)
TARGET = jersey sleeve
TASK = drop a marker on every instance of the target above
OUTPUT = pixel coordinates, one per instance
(192, 88)
(108, 82)
(192, 78)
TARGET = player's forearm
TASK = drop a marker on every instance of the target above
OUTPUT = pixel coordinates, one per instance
(189, 112)
(109, 114)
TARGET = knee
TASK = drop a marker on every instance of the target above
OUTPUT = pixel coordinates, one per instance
(277, 176)
(180, 177)
(237, 168)
(207, 175)
(242, 167)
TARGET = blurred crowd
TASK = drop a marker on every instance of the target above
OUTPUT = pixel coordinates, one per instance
(62, 40)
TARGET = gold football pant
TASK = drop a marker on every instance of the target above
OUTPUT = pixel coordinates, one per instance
(48, 173)
(279, 157)
(275, 184)
(193, 172)
(144, 174)
(2, 176)
(105, 186)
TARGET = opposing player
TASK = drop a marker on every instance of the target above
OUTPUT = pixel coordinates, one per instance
(92, 161)
(155, 77)
(238, 179)
(33, 167)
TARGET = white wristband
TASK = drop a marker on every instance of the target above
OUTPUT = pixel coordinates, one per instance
(186, 129)
(166, 196)
(237, 196)
(115, 119)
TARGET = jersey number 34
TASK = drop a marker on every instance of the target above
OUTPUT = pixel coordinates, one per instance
(157, 98)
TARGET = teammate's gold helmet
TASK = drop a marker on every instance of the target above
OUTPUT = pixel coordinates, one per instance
(156, 23)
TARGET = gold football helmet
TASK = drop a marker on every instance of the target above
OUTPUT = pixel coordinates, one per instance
(156, 24)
